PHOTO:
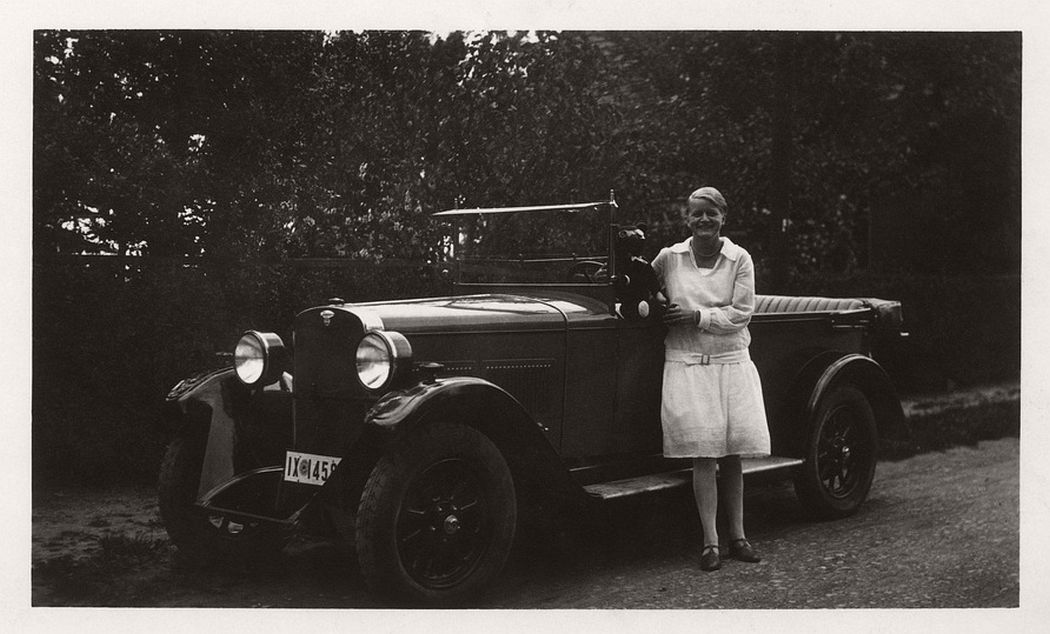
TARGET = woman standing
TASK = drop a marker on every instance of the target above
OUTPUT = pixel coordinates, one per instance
(712, 409)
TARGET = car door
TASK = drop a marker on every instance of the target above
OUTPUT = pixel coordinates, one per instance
(588, 429)
(639, 378)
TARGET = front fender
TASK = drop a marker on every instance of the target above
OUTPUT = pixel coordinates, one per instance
(473, 401)
(401, 407)
(240, 433)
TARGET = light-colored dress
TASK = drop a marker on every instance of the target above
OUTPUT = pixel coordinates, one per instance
(712, 396)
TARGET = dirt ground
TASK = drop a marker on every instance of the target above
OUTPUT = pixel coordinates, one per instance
(74, 523)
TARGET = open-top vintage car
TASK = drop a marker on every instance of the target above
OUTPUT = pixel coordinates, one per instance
(420, 431)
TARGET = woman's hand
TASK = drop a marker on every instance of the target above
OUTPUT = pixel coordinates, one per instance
(675, 316)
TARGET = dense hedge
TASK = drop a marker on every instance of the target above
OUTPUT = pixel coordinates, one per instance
(110, 340)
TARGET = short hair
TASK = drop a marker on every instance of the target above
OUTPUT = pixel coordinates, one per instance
(712, 194)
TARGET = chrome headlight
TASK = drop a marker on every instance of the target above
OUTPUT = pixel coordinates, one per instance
(259, 358)
(382, 357)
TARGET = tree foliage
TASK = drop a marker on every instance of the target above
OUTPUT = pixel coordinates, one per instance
(284, 144)
(298, 144)
(878, 122)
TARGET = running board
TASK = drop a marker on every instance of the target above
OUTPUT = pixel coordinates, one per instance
(673, 479)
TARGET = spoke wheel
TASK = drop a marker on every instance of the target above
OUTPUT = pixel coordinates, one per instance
(442, 529)
(840, 455)
(437, 516)
(841, 468)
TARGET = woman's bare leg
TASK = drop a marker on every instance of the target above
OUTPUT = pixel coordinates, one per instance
(705, 490)
(732, 480)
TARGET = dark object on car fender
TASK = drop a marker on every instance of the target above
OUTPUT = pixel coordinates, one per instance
(638, 290)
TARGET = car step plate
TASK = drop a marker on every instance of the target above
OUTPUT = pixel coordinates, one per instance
(671, 479)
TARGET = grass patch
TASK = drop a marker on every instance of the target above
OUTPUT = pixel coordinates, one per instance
(963, 426)
(138, 571)
(124, 551)
(101, 579)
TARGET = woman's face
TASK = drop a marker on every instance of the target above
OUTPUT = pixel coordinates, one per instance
(704, 218)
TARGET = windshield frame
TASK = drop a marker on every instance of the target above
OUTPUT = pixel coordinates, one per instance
(608, 206)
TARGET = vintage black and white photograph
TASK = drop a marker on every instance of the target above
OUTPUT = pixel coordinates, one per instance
(526, 318)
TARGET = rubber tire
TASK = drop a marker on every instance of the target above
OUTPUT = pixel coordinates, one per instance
(812, 492)
(398, 476)
(198, 540)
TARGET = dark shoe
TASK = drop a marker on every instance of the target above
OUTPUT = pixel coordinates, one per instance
(710, 559)
(742, 550)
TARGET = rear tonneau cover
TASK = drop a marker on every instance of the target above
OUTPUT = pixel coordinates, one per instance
(887, 313)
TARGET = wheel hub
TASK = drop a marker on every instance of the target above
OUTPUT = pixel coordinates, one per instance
(452, 525)
(443, 517)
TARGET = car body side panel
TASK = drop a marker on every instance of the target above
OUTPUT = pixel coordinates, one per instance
(538, 343)
(776, 344)
(639, 381)
(782, 348)
(589, 392)
(528, 364)
(613, 398)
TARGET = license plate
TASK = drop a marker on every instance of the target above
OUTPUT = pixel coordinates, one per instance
(308, 468)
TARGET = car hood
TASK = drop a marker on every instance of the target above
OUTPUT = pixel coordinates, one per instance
(489, 311)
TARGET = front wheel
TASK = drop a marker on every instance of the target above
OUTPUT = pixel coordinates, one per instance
(202, 536)
(840, 455)
(437, 516)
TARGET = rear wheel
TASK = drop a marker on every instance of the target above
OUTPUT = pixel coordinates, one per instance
(437, 516)
(202, 536)
(840, 455)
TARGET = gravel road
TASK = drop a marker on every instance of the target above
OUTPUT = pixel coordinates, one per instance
(939, 530)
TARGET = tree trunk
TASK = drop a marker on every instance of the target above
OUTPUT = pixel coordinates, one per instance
(780, 198)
